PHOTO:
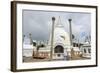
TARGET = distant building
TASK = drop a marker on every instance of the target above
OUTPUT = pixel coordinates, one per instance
(86, 50)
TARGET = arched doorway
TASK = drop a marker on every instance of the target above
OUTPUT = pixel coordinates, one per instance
(58, 49)
(59, 52)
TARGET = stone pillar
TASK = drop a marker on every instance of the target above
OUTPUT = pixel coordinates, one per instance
(70, 31)
(52, 37)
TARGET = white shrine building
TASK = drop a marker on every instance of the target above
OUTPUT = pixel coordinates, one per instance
(61, 41)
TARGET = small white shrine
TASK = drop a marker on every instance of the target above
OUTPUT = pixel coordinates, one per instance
(86, 50)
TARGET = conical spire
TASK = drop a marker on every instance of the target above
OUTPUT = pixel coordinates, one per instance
(59, 24)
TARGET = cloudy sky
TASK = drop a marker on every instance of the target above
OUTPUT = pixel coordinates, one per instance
(38, 23)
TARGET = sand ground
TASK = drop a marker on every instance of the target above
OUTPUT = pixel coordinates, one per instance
(30, 59)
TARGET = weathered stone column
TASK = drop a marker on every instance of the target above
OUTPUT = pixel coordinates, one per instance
(52, 37)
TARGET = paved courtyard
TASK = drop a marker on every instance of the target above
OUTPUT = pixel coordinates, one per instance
(30, 59)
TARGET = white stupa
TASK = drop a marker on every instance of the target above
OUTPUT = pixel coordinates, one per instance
(27, 47)
(61, 41)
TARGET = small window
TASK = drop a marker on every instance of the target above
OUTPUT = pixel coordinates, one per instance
(76, 45)
(84, 50)
(42, 45)
(58, 55)
(73, 44)
(89, 50)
